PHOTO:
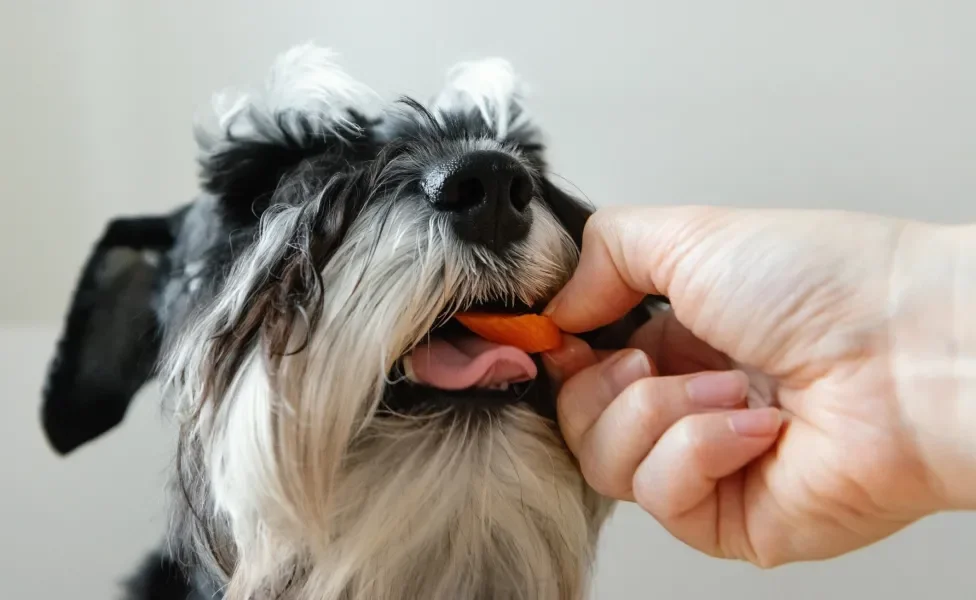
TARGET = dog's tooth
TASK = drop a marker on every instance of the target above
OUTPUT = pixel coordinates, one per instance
(408, 369)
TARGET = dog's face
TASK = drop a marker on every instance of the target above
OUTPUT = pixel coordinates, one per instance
(342, 436)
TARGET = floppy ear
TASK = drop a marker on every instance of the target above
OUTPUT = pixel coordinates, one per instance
(110, 341)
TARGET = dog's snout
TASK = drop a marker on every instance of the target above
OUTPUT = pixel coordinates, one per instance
(487, 194)
(483, 181)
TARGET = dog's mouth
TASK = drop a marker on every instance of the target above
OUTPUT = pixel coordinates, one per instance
(452, 358)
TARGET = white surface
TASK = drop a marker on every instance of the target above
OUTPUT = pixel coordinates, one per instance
(865, 105)
(73, 527)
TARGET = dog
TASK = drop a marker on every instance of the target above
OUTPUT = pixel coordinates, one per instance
(341, 436)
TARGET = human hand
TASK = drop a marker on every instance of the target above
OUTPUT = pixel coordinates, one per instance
(863, 420)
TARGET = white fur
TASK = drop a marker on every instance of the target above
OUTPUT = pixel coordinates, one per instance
(489, 86)
(306, 94)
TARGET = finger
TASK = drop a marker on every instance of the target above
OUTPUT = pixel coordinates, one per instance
(674, 348)
(570, 358)
(683, 469)
(586, 395)
(623, 435)
(626, 254)
(597, 293)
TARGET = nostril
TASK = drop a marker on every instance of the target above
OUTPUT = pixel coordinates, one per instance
(470, 192)
(493, 184)
(520, 192)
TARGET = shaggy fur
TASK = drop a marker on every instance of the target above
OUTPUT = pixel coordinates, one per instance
(277, 310)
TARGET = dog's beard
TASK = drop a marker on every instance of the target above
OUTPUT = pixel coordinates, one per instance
(301, 489)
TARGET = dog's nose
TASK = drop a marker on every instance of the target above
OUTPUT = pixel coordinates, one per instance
(487, 195)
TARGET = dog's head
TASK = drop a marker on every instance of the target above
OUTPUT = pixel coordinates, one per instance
(342, 436)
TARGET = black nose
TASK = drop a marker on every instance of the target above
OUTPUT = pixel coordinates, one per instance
(487, 194)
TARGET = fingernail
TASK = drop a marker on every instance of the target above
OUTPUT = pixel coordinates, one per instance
(625, 368)
(724, 388)
(760, 422)
(551, 307)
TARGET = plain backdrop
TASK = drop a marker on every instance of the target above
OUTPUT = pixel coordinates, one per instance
(856, 104)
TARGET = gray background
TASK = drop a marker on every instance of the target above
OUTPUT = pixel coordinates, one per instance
(858, 105)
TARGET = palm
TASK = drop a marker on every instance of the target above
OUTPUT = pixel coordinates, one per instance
(805, 304)
(827, 468)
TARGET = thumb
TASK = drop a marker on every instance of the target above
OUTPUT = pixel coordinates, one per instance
(627, 254)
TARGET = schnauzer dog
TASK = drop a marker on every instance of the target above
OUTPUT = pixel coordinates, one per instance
(340, 435)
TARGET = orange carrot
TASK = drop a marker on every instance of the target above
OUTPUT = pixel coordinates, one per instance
(530, 333)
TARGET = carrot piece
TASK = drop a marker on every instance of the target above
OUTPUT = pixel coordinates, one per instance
(530, 333)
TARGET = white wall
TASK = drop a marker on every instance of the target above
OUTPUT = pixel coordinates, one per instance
(859, 104)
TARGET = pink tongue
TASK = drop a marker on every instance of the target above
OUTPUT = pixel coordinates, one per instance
(470, 362)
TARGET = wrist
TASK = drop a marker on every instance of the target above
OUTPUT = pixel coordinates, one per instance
(933, 353)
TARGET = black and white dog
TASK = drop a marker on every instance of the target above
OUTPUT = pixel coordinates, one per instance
(341, 437)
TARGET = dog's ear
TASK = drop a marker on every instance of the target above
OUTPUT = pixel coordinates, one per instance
(110, 341)
(309, 110)
(487, 93)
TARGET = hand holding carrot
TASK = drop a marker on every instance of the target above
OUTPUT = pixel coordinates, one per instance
(861, 419)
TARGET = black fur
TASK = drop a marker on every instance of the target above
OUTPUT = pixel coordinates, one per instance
(245, 174)
(160, 578)
(110, 340)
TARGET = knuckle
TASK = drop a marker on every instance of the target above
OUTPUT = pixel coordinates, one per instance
(668, 508)
(593, 228)
(601, 223)
(692, 441)
(659, 502)
(645, 495)
(597, 477)
(645, 405)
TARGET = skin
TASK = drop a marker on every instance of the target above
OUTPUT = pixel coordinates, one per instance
(856, 414)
